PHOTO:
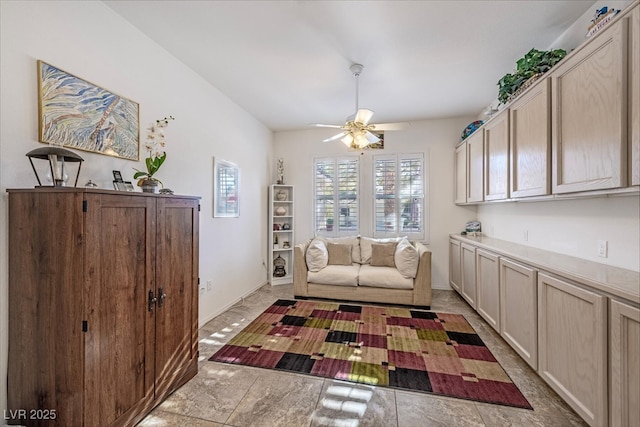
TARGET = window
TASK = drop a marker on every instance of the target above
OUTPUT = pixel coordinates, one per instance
(336, 196)
(399, 189)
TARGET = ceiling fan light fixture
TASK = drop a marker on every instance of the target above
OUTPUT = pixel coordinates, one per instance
(347, 139)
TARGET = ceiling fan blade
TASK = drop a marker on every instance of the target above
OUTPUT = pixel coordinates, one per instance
(390, 126)
(371, 137)
(363, 116)
(335, 137)
(320, 125)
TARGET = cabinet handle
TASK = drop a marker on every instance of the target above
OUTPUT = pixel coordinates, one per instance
(152, 300)
(162, 297)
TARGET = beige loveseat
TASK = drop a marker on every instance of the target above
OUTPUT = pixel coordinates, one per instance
(368, 275)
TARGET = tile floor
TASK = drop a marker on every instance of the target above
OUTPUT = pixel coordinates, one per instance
(230, 395)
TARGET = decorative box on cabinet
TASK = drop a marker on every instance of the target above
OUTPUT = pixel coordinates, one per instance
(468, 262)
(496, 157)
(488, 285)
(530, 142)
(475, 169)
(281, 233)
(455, 265)
(589, 104)
(518, 309)
(624, 364)
(103, 303)
(572, 328)
(461, 173)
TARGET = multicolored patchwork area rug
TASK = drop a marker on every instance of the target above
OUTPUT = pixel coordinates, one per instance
(414, 350)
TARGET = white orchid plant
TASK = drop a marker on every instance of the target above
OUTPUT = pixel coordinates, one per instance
(155, 145)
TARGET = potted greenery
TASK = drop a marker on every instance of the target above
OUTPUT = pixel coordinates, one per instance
(533, 64)
(155, 145)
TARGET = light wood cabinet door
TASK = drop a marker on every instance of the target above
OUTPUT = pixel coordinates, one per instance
(461, 173)
(519, 309)
(488, 285)
(455, 265)
(530, 142)
(589, 113)
(572, 328)
(496, 157)
(468, 288)
(634, 96)
(475, 171)
(624, 365)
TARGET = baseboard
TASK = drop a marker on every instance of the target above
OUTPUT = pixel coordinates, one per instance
(204, 321)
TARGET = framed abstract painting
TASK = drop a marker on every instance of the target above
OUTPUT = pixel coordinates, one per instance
(75, 113)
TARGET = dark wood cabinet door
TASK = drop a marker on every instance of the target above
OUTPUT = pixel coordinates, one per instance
(119, 258)
(45, 307)
(177, 287)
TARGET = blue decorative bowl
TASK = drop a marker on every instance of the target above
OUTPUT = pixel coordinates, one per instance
(471, 128)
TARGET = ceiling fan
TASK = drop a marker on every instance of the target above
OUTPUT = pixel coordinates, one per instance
(357, 132)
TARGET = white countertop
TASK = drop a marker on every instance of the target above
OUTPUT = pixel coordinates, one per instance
(616, 281)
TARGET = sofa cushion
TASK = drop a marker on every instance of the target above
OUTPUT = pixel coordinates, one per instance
(406, 259)
(317, 255)
(340, 275)
(354, 241)
(382, 254)
(339, 254)
(383, 277)
(365, 247)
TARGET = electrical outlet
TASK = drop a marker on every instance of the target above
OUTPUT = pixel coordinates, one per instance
(602, 248)
(525, 235)
(209, 285)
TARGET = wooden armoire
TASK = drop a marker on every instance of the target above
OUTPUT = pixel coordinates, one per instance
(103, 304)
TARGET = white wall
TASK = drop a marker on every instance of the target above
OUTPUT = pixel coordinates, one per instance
(89, 40)
(437, 138)
(573, 227)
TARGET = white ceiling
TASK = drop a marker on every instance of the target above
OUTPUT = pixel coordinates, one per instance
(287, 62)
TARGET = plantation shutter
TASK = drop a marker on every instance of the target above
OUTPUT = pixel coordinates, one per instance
(385, 199)
(399, 195)
(336, 196)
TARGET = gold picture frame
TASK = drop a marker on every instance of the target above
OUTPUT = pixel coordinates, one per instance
(75, 113)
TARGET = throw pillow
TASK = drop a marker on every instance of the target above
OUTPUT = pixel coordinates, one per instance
(317, 256)
(354, 241)
(339, 254)
(365, 247)
(382, 254)
(406, 258)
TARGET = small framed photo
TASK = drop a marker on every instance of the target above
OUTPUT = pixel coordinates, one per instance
(129, 186)
(119, 185)
(117, 176)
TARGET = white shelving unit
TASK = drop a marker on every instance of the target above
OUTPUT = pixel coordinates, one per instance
(281, 232)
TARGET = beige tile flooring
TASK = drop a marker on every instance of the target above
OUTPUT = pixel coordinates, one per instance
(230, 395)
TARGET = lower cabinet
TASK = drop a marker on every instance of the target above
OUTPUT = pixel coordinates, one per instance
(519, 312)
(624, 364)
(583, 342)
(572, 325)
(468, 287)
(488, 287)
(103, 303)
(455, 265)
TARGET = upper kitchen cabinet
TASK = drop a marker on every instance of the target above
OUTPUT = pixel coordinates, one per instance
(589, 119)
(530, 142)
(496, 157)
